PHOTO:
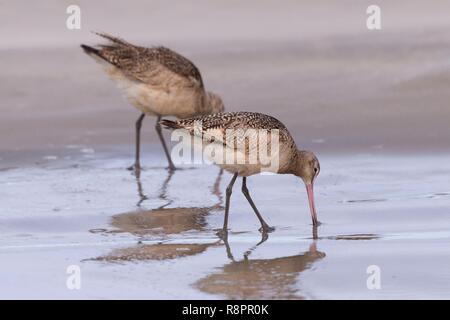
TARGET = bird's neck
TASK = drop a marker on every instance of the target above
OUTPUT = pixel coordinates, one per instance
(297, 162)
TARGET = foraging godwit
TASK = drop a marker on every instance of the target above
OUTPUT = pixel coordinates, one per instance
(157, 81)
(301, 163)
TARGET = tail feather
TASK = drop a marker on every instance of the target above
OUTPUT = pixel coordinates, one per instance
(111, 38)
(169, 124)
(92, 51)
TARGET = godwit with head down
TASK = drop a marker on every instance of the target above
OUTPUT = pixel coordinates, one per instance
(291, 160)
(157, 81)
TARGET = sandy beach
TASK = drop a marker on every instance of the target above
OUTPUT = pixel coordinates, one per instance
(123, 250)
(373, 105)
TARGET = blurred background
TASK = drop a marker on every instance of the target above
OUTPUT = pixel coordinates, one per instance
(337, 85)
(372, 104)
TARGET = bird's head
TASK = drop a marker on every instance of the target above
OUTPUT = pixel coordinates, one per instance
(307, 167)
(214, 103)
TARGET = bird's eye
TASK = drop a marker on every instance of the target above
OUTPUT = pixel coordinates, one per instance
(316, 170)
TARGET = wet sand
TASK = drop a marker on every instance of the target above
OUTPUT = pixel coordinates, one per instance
(372, 105)
(167, 248)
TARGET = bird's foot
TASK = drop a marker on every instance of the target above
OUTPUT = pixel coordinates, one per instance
(266, 229)
(317, 223)
(222, 234)
(142, 199)
(171, 167)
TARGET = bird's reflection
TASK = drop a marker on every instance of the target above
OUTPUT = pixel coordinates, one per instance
(260, 278)
(162, 191)
(159, 222)
(140, 189)
(155, 252)
(166, 221)
(241, 278)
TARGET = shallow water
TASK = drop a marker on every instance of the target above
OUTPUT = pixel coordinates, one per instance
(154, 237)
(66, 137)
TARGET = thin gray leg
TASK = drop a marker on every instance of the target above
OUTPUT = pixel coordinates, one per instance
(166, 150)
(227, 205)
(137, 165)
(264, 226)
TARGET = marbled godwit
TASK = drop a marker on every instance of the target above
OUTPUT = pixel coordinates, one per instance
(301, 163)
(157, 81)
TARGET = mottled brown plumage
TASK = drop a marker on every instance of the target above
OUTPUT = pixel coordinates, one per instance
(239, 125)
(235, 130)
(138, 62)
(237, 120)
